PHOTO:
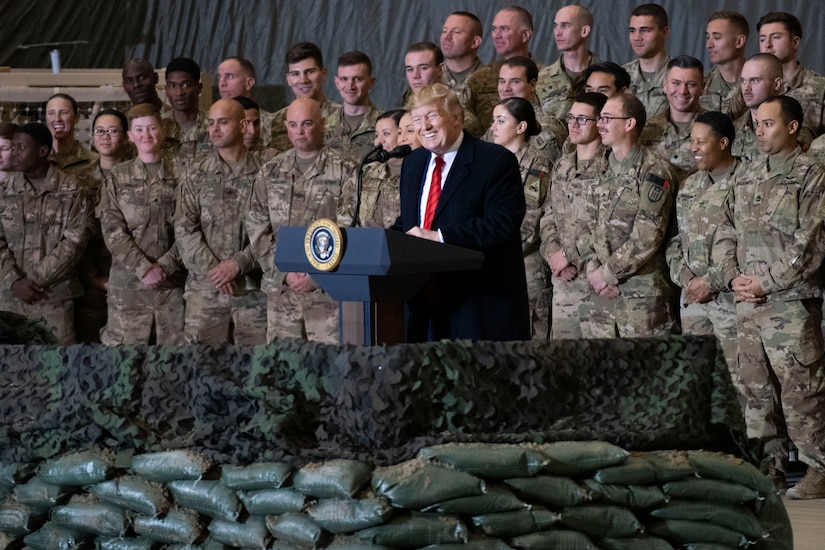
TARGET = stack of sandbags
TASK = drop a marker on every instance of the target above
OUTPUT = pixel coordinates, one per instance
(475, 496)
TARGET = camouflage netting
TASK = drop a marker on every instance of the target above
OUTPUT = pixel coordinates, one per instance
(572, 495)
(299, 401)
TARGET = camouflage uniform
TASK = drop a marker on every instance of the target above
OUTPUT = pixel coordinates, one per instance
(690, 254)
(650, 92)
(348, 142)
(808, 87)
(282, 195)
(564, 227)
(665, 139)
(279, 138)
(720, 95)
(209, 227)
(549, 141)
(380, 197)
(267, 128)
(136, 212)
(629, 211)
(186, 145)
(458, 82)
(744, 144)
(774, 212)
(556, 90)
(42, 236)
(77, 160)
(480, 94)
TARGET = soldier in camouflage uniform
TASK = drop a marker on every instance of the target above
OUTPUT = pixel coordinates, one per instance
(235, 78)
(564, 219)
(6, 132)
(514, 124)
(560, 82)
(648, 32)
(775, 208)
(305, 75)
(140, 82)
(67, 153)
(668, 134)
(606, 78)
(296, 188)
(252, 131)
(350, 127)
(705, 306)
(629, 210)
(727, 34)
(511, 33)
(460, 39)
(44, 226)
(136, 212)
(761, 79)
(224, 303)
(185, 126)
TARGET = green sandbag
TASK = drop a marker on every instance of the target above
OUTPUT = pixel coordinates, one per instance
(250, 534)
(773, 516)
(684, 531)
(176, 527)
(16, 473)
(497, 499)
(513, 524)
(297, 528)
(708, 546)
(337, 478)
(345, 515)
(56, 537)
(272, 501)
(489, 461)
(99, 518)
(350, 542)
(262, 475)
(729, 468)
(165, 466)
(635, 497)
(552, 490)
(641, 542)
(133, 493)
(601, 520)
(417, 530)
(17, 519)
(122, 543)
(415, 484)
(81, 468)
(669, 465)
(41, 496)
(208, 544)
(209, 497)
(735, 517)
(636, 470)
(710, 490)
(561, 539)
(570, 458)
(478, 544)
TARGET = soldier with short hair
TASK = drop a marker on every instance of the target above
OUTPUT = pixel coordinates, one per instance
(761, 78)
(184, 125)
(236, 77)
(350, 127)
(725, 39)
(649, 30)
(62, 116)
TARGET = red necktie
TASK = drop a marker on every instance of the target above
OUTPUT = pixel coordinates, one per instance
(435, 192)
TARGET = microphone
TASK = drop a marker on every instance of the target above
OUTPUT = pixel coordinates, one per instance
(398, 153)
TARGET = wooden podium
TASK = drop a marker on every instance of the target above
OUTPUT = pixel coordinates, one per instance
(378, 271)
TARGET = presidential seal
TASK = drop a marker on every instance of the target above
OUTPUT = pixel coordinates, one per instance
(324, 244)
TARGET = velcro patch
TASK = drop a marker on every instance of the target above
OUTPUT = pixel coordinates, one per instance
(657, 191)
(538, 173)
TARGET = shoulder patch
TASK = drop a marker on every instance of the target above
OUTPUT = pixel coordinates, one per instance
(657, 191)
(538, 173)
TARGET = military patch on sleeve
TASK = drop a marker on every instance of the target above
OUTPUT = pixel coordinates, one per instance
(657, 191)
(538, 173)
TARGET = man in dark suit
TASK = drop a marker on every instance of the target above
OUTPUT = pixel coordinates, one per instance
(480, 205)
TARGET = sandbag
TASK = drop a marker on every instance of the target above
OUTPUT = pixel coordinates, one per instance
(489, 461)
(41, 496)
(176, 527)
(735, 517)
(80, 468)
(642, 542)
(415, 484)
(56, 537)
(635, 497)
(571, 458)
(601, 520)
(99, 518)
(773, 517)
(250, 534)
(265, 502)
(165, 466)
(262, 475)
(345, 515)
(561, 538)
(338, 478)
(710, 490)
(17, 519)
(478, 544)
(298, 529)
(730, 468)
(685, 531)
(416, 530)
(107, 543)
(553, 490)
(350, 542)
(209, 497)
(497, 499)
(16, 473)
(513, 524)
(133, 493)
(634, 471)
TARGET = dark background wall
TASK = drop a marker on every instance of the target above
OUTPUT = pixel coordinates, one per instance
(262, 30)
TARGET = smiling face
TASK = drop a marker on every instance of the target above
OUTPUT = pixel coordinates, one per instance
(708, 149)
(226, 123)
(512, 82)
(386, 134)
(146, 133)
(112, 141)
(407, 134)
(354, 83)
(61, 118)
(582, 134)
(603, 83)
(615, 129)
(646, 37)
(683, 88)
(437, 128)
(183, 91)
(306, 79)
(510, 37)
(723, 42)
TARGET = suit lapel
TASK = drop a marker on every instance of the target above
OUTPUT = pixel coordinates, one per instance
(458, 173)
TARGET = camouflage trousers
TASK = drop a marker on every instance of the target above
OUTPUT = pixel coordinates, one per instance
(716, 318)
(133, 316)
(219, 319)
(571, 308)
(626, 317)
(539, 292)
(311, 316)
(781, 367)
(59, 316)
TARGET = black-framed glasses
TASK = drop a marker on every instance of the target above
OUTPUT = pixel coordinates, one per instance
(607, 119)
(580, 120)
